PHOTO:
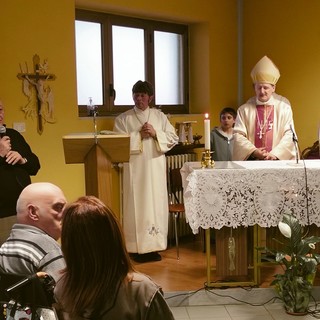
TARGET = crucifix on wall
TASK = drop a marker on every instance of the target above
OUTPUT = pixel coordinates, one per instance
(40, 96)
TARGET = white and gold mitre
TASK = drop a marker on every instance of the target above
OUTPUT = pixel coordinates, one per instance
(265, 71)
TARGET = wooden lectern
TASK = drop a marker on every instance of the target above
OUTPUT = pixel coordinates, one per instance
(97, 153)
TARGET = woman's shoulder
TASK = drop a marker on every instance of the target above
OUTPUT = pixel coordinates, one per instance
(142, 279)
(142, 284)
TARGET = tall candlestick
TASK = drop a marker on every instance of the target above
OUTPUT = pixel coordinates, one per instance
(207, 132)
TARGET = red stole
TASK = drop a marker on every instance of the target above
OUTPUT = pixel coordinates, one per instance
(264, 127)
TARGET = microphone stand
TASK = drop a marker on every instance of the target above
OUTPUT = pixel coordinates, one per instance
(295, 142)
(93, 111)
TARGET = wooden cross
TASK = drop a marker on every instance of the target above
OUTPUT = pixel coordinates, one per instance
(37, 79)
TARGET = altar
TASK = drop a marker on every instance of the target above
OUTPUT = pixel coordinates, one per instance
(249, 194)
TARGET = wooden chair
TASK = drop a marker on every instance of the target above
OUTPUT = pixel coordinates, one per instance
(175, 205)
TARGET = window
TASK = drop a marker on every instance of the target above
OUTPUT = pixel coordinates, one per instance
(113, 52)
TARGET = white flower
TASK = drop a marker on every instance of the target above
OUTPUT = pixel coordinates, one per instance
(285, 229)
(312, 245)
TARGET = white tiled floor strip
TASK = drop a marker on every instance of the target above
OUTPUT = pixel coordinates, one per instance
(272, 311)
(232, 304)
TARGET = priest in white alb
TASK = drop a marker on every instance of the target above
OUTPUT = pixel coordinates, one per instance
(264, 125)
(145, 209)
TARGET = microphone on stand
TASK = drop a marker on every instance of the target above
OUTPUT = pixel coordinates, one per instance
(295, 142)
(294, 137)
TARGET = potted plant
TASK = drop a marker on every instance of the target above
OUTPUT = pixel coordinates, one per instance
(299, 263)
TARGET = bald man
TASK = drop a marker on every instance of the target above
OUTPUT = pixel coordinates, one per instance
(32, 245)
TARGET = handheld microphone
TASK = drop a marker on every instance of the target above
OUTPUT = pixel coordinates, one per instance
(2, 131)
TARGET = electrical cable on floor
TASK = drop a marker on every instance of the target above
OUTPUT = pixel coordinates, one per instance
(187, 295)
(314, 313)
(191, 293)
(273, 299)
(247, 288)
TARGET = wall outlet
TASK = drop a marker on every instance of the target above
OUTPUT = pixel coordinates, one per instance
(19, 126)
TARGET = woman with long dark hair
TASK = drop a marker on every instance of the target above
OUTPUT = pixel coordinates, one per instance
(99, 281)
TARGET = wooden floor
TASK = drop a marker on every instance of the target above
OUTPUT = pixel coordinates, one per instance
(189, 273)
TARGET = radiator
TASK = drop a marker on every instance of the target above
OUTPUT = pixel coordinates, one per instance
(177, 161)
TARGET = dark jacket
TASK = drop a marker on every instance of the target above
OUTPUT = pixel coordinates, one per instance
(14, 178)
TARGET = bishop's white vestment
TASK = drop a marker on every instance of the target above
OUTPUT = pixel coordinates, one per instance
(245, 129)
(145, 196)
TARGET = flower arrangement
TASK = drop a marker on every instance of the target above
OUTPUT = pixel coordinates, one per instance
(299, 263)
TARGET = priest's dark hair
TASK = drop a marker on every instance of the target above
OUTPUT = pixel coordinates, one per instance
(143, 87)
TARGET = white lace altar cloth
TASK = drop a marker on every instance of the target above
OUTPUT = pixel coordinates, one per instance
(245, 193)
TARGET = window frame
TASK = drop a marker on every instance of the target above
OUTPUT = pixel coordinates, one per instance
(107, 20)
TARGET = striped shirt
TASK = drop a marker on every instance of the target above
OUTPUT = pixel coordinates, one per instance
(29, 250)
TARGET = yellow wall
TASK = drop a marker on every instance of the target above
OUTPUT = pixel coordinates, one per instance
(285, 30)
(28, 28)
(47, 29)
(288, 31)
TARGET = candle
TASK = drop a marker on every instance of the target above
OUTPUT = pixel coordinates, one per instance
(207, 132)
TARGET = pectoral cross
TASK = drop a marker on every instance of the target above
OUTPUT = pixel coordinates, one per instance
(260, 133)
(37, 79)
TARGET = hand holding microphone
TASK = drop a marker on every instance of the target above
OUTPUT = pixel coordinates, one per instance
(5, 143)
(11, 157)
(2, 131)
